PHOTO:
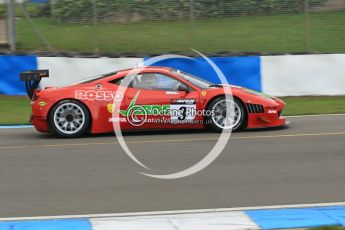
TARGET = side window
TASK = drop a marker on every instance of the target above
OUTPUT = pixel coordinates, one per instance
(117, 81)
(155, 81)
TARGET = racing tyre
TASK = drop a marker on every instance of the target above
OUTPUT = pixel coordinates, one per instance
(69, 118)
(217, 120)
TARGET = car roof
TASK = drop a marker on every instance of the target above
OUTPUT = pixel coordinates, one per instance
(146, 67)
(123, 71)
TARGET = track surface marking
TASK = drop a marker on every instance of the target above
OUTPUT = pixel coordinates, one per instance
(42, 175)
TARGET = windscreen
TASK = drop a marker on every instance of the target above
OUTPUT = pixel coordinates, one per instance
(200, 83)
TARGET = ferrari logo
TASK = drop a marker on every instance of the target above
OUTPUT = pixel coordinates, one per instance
(110, 108)
(203, 93)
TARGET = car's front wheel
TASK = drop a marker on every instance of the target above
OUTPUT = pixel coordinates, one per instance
(69, 118)
(218, 119)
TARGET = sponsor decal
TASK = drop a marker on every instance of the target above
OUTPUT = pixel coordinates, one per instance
(183, 109)
(145, 109)
(97, 95)
(42, 103)
(183, 101)
(179, 109)
(272, 111)
(117, 119)
(171, 92)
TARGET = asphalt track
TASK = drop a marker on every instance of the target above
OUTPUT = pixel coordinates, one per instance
(43, 175)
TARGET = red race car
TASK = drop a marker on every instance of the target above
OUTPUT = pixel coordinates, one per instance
(154, 98)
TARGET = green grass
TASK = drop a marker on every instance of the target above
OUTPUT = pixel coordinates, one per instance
(314, 105)
(328, 228)
(16, 109)
(267, 33)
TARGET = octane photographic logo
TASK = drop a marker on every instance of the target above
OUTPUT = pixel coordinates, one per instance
(179, 111)
(137, 116)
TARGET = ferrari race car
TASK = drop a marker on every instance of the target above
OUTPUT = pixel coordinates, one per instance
(154, 98)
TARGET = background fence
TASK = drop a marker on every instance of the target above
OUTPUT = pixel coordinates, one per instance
(160, 26)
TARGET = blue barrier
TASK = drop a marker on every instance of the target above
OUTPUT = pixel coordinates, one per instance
(298, 217)
(241, 71)
(10, 67)
(273, 75)
(280, 218)
(75, 224)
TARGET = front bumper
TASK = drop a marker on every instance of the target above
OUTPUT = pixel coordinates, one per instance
(270, 116)
(255, 122)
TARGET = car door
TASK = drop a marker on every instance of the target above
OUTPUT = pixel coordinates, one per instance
(155, 100)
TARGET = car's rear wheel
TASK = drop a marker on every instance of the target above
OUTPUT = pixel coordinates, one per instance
(218, 119)
(69, 118)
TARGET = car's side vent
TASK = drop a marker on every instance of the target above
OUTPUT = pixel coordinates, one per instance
(279, 113)
(255, 108)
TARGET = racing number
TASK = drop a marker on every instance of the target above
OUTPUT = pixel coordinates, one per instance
(183, 109)
(182, 113)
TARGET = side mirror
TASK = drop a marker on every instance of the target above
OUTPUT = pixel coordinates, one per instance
(183, 87)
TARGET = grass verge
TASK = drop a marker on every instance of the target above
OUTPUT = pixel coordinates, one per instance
(314, 105)
(328, 228)
(16, 109)
(265, 33)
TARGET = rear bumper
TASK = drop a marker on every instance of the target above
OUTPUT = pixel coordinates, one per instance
(40, 123)
(39, 116)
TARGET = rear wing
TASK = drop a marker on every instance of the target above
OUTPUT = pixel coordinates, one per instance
(32, 79)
